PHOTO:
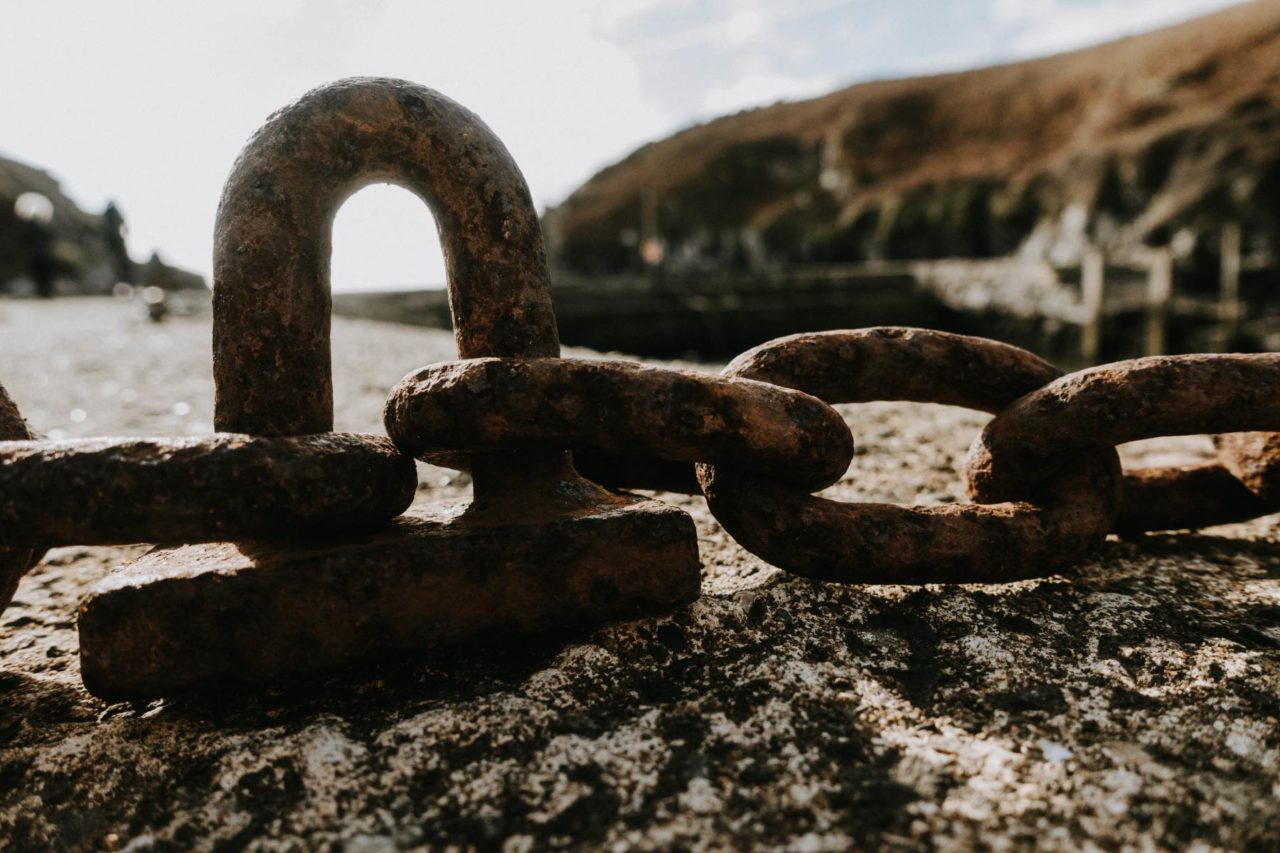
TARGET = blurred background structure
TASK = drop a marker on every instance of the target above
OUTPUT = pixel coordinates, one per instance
(1117, 200)
(51, 247)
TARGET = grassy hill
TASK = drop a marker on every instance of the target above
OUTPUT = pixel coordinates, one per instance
(1121, 144)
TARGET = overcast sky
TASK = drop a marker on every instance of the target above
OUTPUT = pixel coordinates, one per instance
(148, 102)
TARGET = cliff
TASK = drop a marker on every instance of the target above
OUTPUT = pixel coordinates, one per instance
(1122, 145)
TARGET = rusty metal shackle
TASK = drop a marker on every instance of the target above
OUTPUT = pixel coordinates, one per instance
(539, 547)
(274, 233)
(273, 240)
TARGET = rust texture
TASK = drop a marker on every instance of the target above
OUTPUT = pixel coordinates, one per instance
(885, 543)
(489, 404)
(890, 363)
(538, 547)
(273, 236)
(114, 490)
(1185, 498)
(14, 561)
(1254, 458)
(894, 363)
(188, 618)
(1106, 406)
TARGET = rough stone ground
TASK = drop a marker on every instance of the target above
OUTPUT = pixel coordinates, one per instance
(1130, 705)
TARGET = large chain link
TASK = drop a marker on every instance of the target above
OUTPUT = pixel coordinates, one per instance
(884, 543)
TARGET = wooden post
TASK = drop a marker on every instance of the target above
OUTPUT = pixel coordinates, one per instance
(1159, 293)
(1092, 295)
(1229, 306)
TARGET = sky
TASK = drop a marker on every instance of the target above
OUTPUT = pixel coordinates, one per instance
(148, 102)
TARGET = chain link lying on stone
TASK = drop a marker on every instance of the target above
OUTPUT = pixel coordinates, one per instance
(1127, 401)
(1049, 504)
(496, 404)
(886, 543)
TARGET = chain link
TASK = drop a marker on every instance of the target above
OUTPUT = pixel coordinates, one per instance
(677, 415)
(113, 491)
(884, 543)
(1126, 401)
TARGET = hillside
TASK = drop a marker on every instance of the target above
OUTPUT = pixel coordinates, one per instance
(86, 257)
(1122, 144)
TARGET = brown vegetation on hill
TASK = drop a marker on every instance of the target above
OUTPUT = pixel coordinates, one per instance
(1119, 144)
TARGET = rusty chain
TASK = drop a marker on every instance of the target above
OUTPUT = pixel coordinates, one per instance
(311, 563)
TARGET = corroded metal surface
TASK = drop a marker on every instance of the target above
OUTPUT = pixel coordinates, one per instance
(14, 562)
(102, 491)
(539, 547)
(1106, 406)
(272, 242)
(195, 617)
(1185, 498)
(1254, 458)
(895, 363)
(885, 543)
(876, 543)
(887, 361)
(490, 404)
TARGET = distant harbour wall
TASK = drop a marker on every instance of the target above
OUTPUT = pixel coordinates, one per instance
(1073, 316)
(704, 316)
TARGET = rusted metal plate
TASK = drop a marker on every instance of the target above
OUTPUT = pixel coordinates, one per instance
(203, 615)
(491, 404)
(115, 490)
(882, 543)
(14, 562)
(1116, 403)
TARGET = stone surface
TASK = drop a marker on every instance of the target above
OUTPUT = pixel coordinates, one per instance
(1131, 703)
